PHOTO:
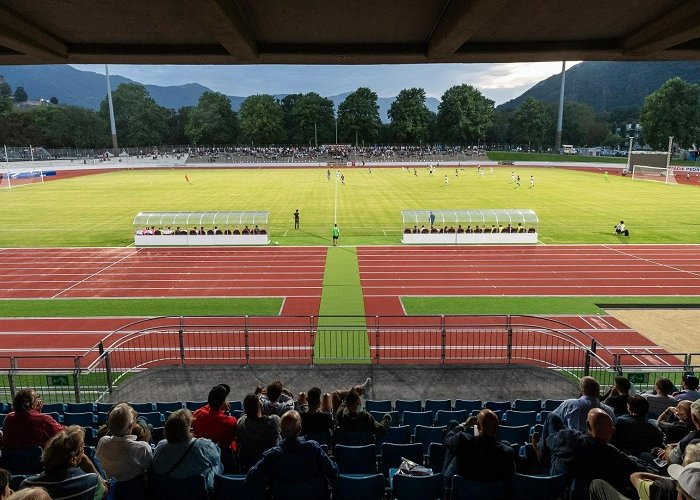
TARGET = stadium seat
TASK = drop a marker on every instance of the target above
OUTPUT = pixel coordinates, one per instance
(324, 437)
(2, 418)
(133, 489)
(515, 435)
(157, 435)
(168, 488)
(426, 435)
(228, 487)
(356, 459)
(417, 487)
(542, 416)
(468, 405)
(170, 406)
(551, 404)
(22, 460)
(435, 405)
(527, 405)
(102, 417)
(353, 438)
(5, 407)
(539, 487)
(464, 489)
(194, 405)
(84, 419)
(413, 418)
(53, 408)
(403, 405)
(379, 416)
(445, 417)
(154, 418)
(397, 435)
(393, 453)
(16, 480)
(237, 413)
(501, 406)
(90, 436)
(143, 407)
(235, 405)
(436, 456)
(364, 487)
(378, 405)
(513, 417)
(81, 408)
(316, 489)
(104, 407)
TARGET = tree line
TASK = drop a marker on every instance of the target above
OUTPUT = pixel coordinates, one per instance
(464, 117)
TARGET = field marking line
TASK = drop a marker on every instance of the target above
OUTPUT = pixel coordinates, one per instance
(285, 233)
(651, 261)
(97, 272)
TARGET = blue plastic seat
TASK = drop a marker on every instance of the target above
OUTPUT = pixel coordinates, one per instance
(392, 454)
(464, 489)
(53, 407)
(551, 404)
(5, 407)
(444, 417)
(527, 405)
(133, 489)
(436, 456)
(542, 416)
(81, 408)
(316, 489)
(16, 480)
(403, 405)
(413, 418)
(194, 405)
(22, 460)
(435, 405)
(501, 406)
(417, 487)
(154, 418)
(84, 419)
(356, 459)
(353, 438)
(513, 417)
(426, 435)
(396, 435)
(355, 487)
(378, 405)
(102, 417)
(468, 404)
(515, 435)
(171, 406)
(379, 416)
(168, 488)
(227, 487)
(539, 487)
(324, 437)
(144, 407)
(104, 407)
(157, 435)
(236, 405)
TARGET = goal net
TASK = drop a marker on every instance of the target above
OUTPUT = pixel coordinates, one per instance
(658, 174)
(20, 176)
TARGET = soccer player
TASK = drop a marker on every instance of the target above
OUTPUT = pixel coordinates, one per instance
(605, 176)
(532, 181)
(296, 219)
(517, 182)
(187, 179)
(335, 232)
(447, 180)
(512, 177)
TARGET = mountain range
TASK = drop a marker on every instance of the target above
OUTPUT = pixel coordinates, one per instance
(601, 84)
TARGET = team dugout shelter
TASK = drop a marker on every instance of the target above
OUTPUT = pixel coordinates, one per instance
(201, 228)
(469, 227)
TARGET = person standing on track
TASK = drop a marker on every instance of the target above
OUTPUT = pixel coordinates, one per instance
(335, 232)
(296, 219)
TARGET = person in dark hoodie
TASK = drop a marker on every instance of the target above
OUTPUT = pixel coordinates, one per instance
(257, 433)
(352, 417)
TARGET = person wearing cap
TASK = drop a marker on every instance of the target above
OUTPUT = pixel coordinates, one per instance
(690, 389)
(687, 476)
(211, 421)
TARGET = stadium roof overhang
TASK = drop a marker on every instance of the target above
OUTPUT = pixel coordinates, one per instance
(345, 32)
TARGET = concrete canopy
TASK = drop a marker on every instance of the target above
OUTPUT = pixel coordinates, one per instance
(345, 32)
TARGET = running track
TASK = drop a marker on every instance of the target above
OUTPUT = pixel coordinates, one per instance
(296, 273)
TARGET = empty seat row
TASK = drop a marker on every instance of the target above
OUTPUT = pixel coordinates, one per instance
(435, 405)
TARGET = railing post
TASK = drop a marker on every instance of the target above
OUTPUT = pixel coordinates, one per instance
(246, 333)
(686, 364)
(11, 376)
(443, 340)
(377, 341)
(313, 338)
(509, 326)
(181, 340)
(587, 366)
(76, 379)
(108, 366)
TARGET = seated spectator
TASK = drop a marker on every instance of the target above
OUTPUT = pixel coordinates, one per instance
(634, 434)
(236, 232)
(352, 417)
(68, 472)
(690, 389)
(460, 229)
(211, 421)
(180, 455)
(655, 487)
(616, 397)
(573, 411)
(477, 229)
(407, 231)
(478, 458)
(217, 230)
(193, 231)
(423, 230)
(338, 396)
(674, 453)
(34, 493)
(26, 426)
(246, 230)
(327, 403)
(621, 230)
(294, 460)
(5, 490)
(121, 455)
(520, 228)
(662, 399)
(256, 432)
(314, 421)
(415, 229)
(678, 428)
(275, 400)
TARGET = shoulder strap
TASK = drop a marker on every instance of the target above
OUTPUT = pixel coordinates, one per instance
(187, 451)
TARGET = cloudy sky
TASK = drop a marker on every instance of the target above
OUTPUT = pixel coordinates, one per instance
(500, 82)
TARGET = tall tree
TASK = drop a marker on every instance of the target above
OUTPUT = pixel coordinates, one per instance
(674, 110)
(139, 120)
(70, 126)
(409, 116)
(176, 121)
(5, 104)
(358, 117)
(20, 94)
(18, 128)
(464, 115)
(5, 88)
(531, 123)
(262, 120)
(287, 104)
(311, 118)
(212, 121)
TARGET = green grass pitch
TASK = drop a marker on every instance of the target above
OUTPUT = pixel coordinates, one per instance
(573, 206)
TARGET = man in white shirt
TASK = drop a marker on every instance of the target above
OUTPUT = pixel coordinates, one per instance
(123, 457)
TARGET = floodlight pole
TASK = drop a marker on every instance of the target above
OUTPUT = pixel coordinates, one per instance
(115, 147)
(560, 116)
(629, 153)
(315, 134)
(668, 156)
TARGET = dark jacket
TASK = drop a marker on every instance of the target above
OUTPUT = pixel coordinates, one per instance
(361, 421)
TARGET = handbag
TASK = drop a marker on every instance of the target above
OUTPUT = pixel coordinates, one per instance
(410, 468)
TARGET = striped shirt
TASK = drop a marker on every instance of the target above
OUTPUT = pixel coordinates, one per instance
(73, 484)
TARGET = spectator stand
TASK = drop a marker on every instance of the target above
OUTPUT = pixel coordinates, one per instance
(201, 228)
(469, 227)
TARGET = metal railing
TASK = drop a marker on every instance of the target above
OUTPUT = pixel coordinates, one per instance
(309, 340)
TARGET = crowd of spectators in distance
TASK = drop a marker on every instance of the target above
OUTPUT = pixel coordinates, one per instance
(519, 228)
(200, 231)
(616, 445)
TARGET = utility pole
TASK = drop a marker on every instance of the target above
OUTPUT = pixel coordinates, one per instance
(560, 116)
(115, 147)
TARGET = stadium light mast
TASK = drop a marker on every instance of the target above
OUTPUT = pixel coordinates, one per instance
(115, 147)
(560, 115)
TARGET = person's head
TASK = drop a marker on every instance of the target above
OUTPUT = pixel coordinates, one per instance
(4, 484)
(691, 382)
(33, 493)
(327, 402)
(622, 222)
(487, 422)
(683, 411)
(251, 406)
(274, 391)
(352, 400)
(122, 419)
(590, 387)
(687, 480)
(695, 413)
(637, 406)
(600, 425)
(664, 386)
(178, 427)
(623, 385)
(25, 400)
(64, 449)
(314, 398)
(290, 425)
(217, 396)
(692, 454)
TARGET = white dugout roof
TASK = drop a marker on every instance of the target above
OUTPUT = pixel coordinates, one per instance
(223, 218)
(504, 216)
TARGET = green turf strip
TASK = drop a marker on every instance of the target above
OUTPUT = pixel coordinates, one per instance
(531, 305)
(25, 308)
(341, 305)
